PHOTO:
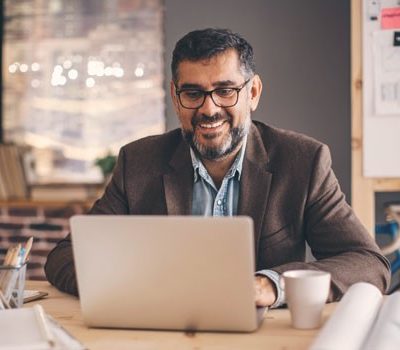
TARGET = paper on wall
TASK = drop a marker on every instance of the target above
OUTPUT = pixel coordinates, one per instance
(390, 18)
(386, 65)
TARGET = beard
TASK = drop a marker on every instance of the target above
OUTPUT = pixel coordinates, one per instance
(229, 144)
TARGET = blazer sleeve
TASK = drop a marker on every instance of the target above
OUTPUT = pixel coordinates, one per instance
(338, 240)
(60, 267)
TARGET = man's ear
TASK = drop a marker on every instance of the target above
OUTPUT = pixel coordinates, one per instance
(255, 92)
(173, 96)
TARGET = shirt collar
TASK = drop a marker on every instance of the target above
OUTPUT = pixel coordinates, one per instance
(200, 170)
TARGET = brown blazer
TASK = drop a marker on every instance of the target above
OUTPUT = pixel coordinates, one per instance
(287, 187)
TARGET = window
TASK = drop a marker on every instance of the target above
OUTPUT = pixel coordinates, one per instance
(81, 78)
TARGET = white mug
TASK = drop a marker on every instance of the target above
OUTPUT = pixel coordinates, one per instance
(306, 294)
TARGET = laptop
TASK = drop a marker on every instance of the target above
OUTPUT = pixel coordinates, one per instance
(166, 272)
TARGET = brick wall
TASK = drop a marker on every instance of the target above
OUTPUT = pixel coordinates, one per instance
(47, 223)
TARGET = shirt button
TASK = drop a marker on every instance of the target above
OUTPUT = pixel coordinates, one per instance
(219, 202)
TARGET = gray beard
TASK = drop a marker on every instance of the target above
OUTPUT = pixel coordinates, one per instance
(230, 144)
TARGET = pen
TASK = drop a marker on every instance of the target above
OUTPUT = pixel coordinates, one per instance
(4, 301)
(11, 260)
(15, 257)
(28, 247)
(21, 257)
(7, 257)
(44, 327)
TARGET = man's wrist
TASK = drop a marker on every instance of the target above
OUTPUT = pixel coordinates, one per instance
(275, 278)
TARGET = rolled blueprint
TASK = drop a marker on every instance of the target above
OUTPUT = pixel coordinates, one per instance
(350, 323)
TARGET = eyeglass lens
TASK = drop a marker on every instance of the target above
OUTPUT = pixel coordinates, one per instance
(196, 98)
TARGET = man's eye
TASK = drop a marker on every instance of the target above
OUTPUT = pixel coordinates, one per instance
(225, 92)
(192, 94)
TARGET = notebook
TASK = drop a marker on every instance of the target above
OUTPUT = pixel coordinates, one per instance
(166, 272)
(32, 329)
(20, 329)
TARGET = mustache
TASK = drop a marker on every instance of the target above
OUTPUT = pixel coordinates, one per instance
(202, 119)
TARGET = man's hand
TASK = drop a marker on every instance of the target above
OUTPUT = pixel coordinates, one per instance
(265, 291)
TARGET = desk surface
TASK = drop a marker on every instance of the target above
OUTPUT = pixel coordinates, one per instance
(274, 333)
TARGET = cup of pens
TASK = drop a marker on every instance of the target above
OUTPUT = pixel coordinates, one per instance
(12, 275)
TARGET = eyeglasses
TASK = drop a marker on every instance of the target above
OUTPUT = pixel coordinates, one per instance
(222, 97)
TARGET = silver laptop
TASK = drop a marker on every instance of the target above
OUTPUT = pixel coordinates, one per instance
(166, 272)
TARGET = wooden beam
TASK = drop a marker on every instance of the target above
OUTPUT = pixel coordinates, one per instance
(386, 185)
(363, 198)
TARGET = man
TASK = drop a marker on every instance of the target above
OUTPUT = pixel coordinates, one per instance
(222, 163)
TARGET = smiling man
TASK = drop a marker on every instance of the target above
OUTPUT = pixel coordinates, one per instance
(214, 122)
(221, 163)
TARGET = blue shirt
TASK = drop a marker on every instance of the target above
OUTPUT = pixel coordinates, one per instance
(208, 200)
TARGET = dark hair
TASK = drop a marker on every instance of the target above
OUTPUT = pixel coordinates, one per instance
(206, 43)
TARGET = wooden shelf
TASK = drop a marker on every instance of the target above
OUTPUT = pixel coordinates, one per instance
(59, 195)
(54, 203)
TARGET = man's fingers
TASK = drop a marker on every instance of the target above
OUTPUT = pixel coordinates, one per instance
(265, 294)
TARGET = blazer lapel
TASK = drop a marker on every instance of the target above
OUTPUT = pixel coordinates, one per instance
(255, 183)
(178, 182)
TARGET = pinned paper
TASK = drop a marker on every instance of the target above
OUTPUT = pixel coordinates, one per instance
(386, 68)
(390, 18)
(373, 10)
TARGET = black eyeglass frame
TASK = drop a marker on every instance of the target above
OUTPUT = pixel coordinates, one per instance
(209, 93)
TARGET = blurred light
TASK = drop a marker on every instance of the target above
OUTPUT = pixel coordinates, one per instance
(62, 80)
(108, 71)
(95, 68)
(23, 68)
(139, 72)
(67, 64)
(118, 72)
(35, 83)
(73, 74)
(12, 68)
(116, 64)
(58, 80)
(58, 69)
(35, 66)
(55, 6)
(90, 82)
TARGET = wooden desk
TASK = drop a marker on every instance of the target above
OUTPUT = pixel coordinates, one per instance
(274, 333)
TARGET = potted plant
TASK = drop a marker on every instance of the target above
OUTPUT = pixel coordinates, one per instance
(106, 165)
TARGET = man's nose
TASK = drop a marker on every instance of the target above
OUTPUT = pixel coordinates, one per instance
(209, 107)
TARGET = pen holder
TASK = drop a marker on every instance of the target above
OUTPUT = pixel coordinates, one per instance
(12, 285)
